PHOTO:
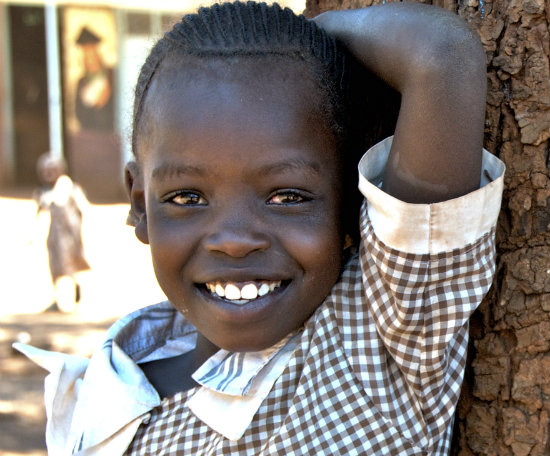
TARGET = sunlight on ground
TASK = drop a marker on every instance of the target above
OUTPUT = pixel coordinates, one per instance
(121, 278)
(31, 453)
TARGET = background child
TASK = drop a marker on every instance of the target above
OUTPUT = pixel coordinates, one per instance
(63, 201)
(279, 337)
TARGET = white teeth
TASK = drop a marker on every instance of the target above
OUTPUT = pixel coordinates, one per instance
(219, 290)
(232, 292)
(249, 291)
(264, 289)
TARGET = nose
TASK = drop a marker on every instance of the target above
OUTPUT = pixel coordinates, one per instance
(236, 235)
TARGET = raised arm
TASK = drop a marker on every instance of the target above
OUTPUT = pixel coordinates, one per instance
(437, 63)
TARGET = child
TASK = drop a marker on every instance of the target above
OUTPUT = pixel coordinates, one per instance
(64, 201)
(280, 335)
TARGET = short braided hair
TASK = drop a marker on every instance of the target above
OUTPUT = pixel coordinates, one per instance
(249, 30)
(256, 30)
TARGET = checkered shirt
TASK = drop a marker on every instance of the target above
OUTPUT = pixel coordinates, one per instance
(377, 370)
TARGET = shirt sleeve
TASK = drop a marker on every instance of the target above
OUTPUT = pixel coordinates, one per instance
(425, 268)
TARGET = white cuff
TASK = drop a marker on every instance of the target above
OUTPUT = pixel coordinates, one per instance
(430, 228)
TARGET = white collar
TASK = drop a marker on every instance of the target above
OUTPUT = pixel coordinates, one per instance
(234, 385)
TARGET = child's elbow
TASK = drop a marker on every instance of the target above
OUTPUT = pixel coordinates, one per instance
(457, 51)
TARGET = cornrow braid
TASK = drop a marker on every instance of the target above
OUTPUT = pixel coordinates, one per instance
(248, 30)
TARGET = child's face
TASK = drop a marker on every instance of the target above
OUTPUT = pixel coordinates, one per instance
(241, 190)
(49, 173)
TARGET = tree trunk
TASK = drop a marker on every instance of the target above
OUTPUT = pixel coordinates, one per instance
(505, 403)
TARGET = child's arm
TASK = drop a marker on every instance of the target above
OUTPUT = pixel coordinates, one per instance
(437, 64)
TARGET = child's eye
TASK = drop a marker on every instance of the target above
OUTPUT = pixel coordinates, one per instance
(185, 198)
(288, 197)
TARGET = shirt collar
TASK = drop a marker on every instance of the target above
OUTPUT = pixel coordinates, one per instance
(233, 373)
(234, 385)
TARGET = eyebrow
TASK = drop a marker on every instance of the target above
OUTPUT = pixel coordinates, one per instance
(282, 166)
(167, 170)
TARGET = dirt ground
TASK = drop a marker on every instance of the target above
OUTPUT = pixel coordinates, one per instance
(22, 414)
(121, 280)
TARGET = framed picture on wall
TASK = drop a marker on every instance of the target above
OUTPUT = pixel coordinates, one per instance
(90, 58)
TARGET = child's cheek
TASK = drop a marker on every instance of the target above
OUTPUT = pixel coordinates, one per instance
(318, 249)
(170, 240)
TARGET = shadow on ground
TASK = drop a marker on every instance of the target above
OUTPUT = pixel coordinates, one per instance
(22, 414)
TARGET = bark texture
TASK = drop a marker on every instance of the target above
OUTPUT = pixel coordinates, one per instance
(505, 404)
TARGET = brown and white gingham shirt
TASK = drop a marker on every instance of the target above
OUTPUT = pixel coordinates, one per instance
(377, 369)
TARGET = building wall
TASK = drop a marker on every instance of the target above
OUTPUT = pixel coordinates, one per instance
(5, 111)
(96, 160)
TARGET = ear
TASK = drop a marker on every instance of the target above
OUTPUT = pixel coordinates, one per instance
(137, 216)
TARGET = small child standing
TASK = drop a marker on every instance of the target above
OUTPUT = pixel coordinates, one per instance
(64, 201)
(283, 333)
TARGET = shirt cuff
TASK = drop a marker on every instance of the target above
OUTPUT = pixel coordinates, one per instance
(430, 228)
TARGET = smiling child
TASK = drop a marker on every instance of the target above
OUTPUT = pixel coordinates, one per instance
(282, 333)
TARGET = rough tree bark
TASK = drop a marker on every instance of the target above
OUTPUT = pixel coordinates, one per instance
(505, 403)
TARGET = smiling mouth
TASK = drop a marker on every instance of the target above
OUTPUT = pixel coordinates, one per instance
(242, 293)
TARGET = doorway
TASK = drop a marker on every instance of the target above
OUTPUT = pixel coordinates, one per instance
(29, 90)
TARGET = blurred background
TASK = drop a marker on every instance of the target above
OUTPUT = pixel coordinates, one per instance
(67, 74)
